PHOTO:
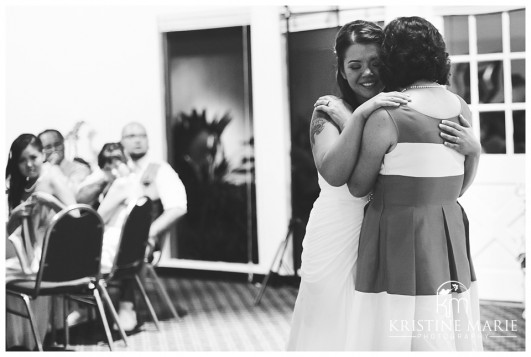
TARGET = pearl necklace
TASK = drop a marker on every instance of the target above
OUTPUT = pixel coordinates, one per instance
(422, 86)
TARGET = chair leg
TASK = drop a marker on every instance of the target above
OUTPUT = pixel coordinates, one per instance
(53, 312)
(147, 301)
(101, 310)
(66, 328)
(27, 303)
(162, 289)
(114, 315)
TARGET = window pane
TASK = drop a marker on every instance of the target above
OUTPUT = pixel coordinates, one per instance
(518, 80)
(460, 80)
(519, 131)
(489, 31)
(456, 34)
(492, 127)
(517, 19)
(490, 80)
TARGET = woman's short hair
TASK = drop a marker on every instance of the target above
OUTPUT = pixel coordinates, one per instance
(108, 148)
(412, 50)
(358, 31)
(52, 131)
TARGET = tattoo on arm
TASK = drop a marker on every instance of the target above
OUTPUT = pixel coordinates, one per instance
(316, 127)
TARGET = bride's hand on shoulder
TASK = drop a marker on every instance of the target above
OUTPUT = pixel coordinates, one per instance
(337, 109)
(460, 138)
(383, 99)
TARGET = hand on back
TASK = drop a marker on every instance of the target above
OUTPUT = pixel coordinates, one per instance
(461, 138)
(383, 99)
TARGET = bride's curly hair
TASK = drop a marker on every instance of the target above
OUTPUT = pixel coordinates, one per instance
(412, 50)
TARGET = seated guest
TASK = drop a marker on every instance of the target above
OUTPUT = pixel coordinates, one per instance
(54, 150)
(111, 163)
(160, 183)
(117, 186)
(112, 189)
(163, 186)
(118, 189)
(27, 174)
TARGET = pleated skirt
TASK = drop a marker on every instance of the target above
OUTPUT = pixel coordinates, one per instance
(416, 287)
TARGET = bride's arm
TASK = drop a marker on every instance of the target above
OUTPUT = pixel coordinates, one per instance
(336, 153)
(461, 138)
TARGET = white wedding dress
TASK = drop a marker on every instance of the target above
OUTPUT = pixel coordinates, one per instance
(323, 312)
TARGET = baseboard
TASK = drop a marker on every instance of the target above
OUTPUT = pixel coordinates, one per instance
(274, 279)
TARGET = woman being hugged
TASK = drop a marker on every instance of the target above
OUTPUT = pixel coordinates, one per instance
(323, 309)
(415, 283)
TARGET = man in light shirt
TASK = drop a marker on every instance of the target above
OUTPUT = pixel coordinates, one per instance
(162, 185)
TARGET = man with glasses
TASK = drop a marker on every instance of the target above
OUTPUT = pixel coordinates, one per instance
(160, 182)
(53, 148)
(163, 186)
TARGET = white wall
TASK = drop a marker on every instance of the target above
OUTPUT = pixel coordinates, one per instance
(100, 64)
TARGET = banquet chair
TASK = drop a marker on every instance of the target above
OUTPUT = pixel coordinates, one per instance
(150, 263)
(23, 243)
(129, 259)
(69, 264)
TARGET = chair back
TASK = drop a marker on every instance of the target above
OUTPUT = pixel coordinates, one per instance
(133, 239)
(72, 246)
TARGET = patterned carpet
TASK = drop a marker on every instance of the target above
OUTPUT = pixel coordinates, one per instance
(221, 317)
(502, 341)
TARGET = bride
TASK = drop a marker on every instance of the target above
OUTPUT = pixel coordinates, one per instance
(330, 246)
